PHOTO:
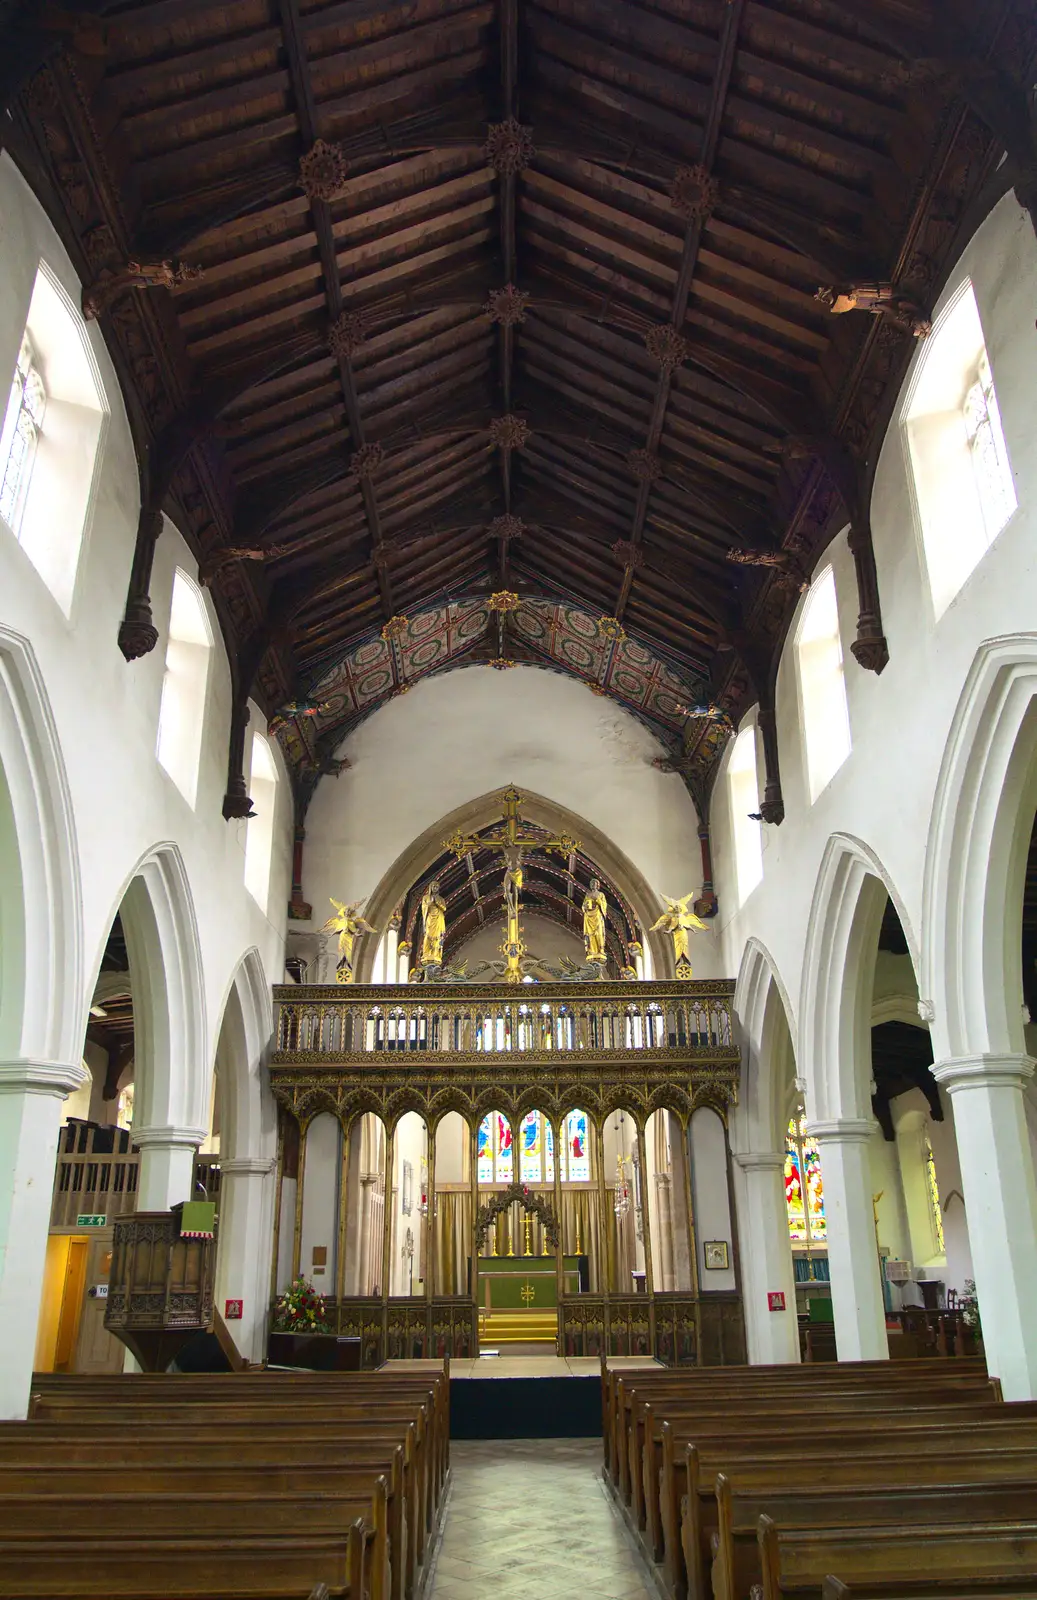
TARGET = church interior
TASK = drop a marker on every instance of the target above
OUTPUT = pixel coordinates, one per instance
(518, 799)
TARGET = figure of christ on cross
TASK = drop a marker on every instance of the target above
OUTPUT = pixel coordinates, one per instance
(510, 839)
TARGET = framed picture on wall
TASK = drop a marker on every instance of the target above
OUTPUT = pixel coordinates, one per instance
(715, 1253)
(406, 1187)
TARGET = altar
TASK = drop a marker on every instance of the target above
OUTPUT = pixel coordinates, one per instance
(528, 1283)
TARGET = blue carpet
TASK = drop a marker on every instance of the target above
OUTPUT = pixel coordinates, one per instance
(525, 1408)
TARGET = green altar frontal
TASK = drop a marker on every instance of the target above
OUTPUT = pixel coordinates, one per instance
(527, 1283)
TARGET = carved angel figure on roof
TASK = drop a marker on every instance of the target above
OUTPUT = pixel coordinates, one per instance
(678, 920)
(347, 923)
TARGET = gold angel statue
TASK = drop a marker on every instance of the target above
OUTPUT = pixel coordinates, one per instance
(347, 923)
(677, 920)
(433, 926)
(595, 909)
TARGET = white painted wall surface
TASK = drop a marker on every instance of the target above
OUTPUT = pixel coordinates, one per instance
(711, 1197)
(545, 939)
(320, 1197)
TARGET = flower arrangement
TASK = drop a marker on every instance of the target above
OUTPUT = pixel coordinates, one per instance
(300, 1309)
(969, 1303)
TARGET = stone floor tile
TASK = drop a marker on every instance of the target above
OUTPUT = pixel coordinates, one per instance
(529, 1519)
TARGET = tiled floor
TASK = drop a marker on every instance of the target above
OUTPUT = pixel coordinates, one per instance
(528, 1519)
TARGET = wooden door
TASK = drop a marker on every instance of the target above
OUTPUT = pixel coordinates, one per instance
(97, 1350)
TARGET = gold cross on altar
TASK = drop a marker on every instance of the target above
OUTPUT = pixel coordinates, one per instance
(527, 1293)
(510, 839)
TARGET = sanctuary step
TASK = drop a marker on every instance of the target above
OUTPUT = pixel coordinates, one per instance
(518, 1327)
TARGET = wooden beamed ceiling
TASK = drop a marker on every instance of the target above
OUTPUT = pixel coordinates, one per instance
(664, 186)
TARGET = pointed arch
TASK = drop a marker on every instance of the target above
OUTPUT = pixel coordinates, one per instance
(243, 1036)
(164, 949)
(766, 1023)
(975, 862)
(839, 974)
(420, 855)
(41, 913)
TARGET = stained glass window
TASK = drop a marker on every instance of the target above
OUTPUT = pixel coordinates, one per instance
(549, 1146)
(577, 1168)
(530, 1148)
(989, 452)
(484, 1151)
(804, 1186)
(504, 1163)
(22, 423)
(934, 1197)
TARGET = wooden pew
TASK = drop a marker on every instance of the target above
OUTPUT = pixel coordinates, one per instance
(912, 1559)
(865, 1413)
(737, 1385)
(736, 1557)
(129, 1517)
(184, 1568)
(847, 1466)
(365, 1456)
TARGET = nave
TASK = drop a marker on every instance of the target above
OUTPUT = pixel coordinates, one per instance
(877, 1480)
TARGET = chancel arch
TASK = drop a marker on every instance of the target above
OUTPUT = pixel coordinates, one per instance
(632, 891)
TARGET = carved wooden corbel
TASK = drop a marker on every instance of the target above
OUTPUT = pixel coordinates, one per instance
(772, 806)
(137, 632)
(99, 296)
(236, 802)
(878, 300)
(869, 649)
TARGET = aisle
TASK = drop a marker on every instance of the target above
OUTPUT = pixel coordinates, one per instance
(528, 1519)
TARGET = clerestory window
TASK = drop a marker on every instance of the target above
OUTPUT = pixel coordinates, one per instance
(22, 423)
(822, 684)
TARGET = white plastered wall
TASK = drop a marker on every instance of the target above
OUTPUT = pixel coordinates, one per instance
(455, 738)
(125, 817)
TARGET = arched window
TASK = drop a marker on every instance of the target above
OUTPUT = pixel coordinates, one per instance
(259, 838)
(51, 438)
(494, 1152)
(822, 685)
(744, 793)
(181, 717)
(537, 1149)
(804, 1188)
(964, 490)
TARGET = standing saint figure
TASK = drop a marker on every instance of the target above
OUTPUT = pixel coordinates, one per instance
(594, 908)
(347, 923)
(677, 920)
(433, 926)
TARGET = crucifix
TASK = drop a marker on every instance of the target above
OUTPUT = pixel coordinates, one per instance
(510, 839)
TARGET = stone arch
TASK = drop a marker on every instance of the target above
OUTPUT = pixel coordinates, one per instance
(975, 861)
(428, 846)
(838, 977)
(243, 1035)
(41, 974)
(766, 1023)
(173, 1063)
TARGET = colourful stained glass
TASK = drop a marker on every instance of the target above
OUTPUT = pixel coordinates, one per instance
(815, 1189)
(577, 1159)
(934, 1198)
(484, 1152)
(505, 1155)
(549, 1142)
(530, 1145)
(794, 1187)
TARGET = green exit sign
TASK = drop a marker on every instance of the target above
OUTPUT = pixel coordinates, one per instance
(87, 1219)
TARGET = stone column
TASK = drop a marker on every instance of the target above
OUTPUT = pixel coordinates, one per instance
(860, 1316)
(766, 1253)
(1001, 1204)
(243, 1249)
(166, 1165)
(31, 1093)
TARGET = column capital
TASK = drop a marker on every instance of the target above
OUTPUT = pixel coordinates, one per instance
(761, 1160)
(1007, 1071)
(27, 1075)
(168, 1137)
(842, 1130)
(246, 1164)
